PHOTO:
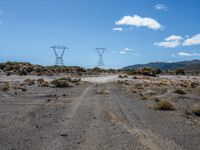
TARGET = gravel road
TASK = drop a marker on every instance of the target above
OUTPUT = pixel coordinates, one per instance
(80, 118)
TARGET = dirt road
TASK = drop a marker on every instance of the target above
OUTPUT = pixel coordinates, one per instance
(86, 119)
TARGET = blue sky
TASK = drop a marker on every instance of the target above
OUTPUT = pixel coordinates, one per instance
(133, 31)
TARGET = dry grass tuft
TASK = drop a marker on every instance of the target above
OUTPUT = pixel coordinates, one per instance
(180, 91)
(163, 105)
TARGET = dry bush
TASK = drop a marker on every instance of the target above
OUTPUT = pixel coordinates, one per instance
(142, 96)
(163, 105)
(4, 86)
(73, 79)
(102, 92)
(123, 82)
(40, 81)
(180, 91)
(195, 110)
(61, 83)
(29, 81)
(135, 77)
(194, 84)
(139, 86)
(123, 76)
(45, 84)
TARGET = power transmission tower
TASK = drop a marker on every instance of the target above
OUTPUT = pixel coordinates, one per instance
(100, 52)
(59, 53)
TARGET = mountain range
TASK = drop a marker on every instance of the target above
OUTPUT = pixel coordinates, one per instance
(193, 65)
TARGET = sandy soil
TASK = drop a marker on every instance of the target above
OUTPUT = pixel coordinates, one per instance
(102, 113)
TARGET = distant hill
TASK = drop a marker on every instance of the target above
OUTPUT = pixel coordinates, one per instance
(193, 65)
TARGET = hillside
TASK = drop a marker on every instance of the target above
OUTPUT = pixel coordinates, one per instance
(192, 65)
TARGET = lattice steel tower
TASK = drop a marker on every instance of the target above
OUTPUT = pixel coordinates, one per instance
(100, 52)
(59, 53)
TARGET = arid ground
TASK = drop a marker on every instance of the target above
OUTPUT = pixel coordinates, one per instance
(100, 113)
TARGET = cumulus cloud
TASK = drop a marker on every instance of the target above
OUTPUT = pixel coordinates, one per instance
(139, 22)
(161, 7)
(128, 49)
(170, 41)
(173, 38)
(194, 40)
(118, 29)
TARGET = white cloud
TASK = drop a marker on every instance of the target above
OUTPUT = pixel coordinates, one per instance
(128, 49)
(194, 40)
(185, 54)
(170, 41)
(170, 44)
(173, 38)
(118, 29)
(161, 7)
(122, 52)
(139, 22)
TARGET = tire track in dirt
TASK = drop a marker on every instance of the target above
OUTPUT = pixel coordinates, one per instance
(41, 124)
(71, 133)
(103, 134)
(147, 138)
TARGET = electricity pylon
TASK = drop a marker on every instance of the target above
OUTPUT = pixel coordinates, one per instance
(100, 52)
(59, 54)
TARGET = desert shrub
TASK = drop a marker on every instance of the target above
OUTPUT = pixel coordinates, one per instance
(102, 91)
(180, 91)
(123, 76)
(29, 81)
(179, 71)
(194, 84)
(131, 72)
(8, 74)
(4, 86)
(163, 105)
(40, 81)
(61, 83)
(147, 71)
(158, 71)
(195, 110)
(134, 77)
(44, 84)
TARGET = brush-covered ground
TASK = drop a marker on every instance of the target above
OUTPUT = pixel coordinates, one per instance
(103, 112)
